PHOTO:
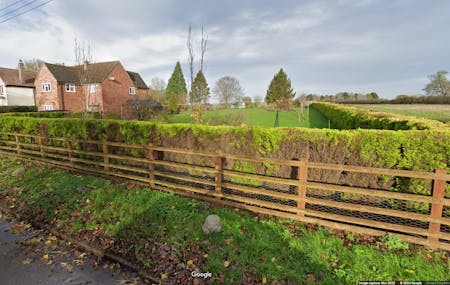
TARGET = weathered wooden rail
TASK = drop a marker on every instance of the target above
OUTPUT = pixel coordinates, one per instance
(216, 184)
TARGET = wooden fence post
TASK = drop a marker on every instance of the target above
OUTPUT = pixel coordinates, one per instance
(105, 156)
(69, 149)
(437, 205)
(302, 177)
(151, 166)
(219, 174)
(17, 143)
(41, 146)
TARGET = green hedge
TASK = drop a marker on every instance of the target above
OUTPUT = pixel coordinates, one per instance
(51, 114)
(346, 118)
(9, 109)
(424, 150)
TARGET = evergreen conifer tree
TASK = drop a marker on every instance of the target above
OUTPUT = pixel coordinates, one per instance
(200, 90)
(280, 89)
(176, 89)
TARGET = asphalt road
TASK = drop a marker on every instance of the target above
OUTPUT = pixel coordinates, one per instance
(29, 256)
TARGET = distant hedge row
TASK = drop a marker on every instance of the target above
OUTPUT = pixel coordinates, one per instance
(8, 109)
(347, 118)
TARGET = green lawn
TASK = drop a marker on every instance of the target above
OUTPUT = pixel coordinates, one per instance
(429, 111)
(162, 233)
(257, 117)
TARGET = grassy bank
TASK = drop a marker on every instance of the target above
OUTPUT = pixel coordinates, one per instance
(258, 117)
(428, 111)
(162, 234)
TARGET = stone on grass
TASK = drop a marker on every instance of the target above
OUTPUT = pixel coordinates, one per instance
(83, 189)
(212, 224)
(18, 172)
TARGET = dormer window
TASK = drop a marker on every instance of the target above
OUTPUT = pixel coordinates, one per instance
(132, 90)
(70, 87)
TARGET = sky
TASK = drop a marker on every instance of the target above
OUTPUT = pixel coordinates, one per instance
(325, 47)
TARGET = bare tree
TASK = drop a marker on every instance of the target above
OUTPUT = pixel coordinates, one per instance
(191, 56)
(227, 90)
(203, 47)
(83, 57)
(157, 89)
(439, 84)
(33, 64)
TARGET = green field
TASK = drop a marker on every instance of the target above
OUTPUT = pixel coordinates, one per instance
(429, 111)
(257, 117)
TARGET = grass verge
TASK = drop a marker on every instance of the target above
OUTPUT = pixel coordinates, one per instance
(258, 117)
(161, 233)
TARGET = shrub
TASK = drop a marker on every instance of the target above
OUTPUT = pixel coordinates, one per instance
(346, 118)
(10, 109)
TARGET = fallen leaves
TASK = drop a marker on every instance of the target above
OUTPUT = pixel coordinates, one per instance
(19, 228)
(311, 278)
(66, 266)
(27, 261)
(226, 263)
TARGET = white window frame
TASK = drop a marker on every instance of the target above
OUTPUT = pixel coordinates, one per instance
(92, 88)
(48, 108)
(70, 88)
(132, 90)
(46, 87)
(2, 90)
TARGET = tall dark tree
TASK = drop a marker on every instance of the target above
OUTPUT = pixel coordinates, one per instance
(439, 84)
(200, 90)
(176, 89)
(280, 89)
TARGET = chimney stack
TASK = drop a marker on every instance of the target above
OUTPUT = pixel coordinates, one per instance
(85, 65)
(20, 68)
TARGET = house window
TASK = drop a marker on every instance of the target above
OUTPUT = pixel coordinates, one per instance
(46, 87)
(70, 87)
(2, 92)
(48, 107)
(93, 108)
(91, 88)
(132, 90)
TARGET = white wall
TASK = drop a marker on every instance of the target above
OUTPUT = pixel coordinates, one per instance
(3, 102)
(20, 96)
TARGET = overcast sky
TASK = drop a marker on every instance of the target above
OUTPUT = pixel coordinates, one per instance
(325, 47)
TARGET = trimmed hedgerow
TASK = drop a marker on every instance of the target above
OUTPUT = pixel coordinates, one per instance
(346, 118)
(424, 150)
(51, 114)
(8, 109)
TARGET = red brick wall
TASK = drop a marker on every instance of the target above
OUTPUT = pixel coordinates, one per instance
(96, 98)
(72, 100)
(47, 98)
(116, 92)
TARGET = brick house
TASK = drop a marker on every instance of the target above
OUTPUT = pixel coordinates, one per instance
(107, 87)
(17, 86)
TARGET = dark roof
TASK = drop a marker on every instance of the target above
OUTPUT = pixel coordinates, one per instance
(137, 79)
(97, 72)
(11, 77)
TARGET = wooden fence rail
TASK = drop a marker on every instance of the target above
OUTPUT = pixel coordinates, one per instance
(294, 198)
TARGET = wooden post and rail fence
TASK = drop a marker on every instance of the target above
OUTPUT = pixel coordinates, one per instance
(219, 185)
